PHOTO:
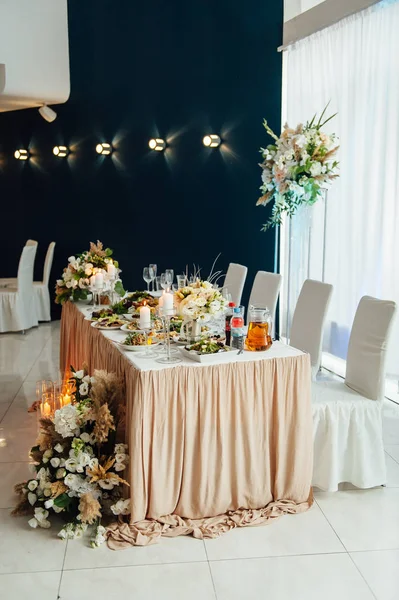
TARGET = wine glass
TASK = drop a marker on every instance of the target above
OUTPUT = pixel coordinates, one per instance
(154, 268)
(170, 276)
(164, 281)
(148, 275)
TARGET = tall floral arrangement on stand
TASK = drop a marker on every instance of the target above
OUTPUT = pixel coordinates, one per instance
(75, 281)
(296, 167)
(78, 462)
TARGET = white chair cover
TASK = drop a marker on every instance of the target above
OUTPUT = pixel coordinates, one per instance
(265, 291)
(17, 306)
(348, 444)
(12, 281)
(235, 281)
(40, 288)
(309, 318)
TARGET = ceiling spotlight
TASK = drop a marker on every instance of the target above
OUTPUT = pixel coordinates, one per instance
(211, 141)
(21, 154)
(157, 144)
(104, 148)
(60, 151)
(47, 113)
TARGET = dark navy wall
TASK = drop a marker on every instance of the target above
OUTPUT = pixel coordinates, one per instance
(175, 68)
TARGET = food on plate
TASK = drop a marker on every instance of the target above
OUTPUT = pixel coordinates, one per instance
(132, 302)
(208, 346)
(175, 324)
(101, 314)
(136, 338)
(112, 322)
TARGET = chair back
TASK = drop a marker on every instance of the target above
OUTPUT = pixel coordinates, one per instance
(25, 271)
(265, 291)
(234, 281)
(365, 362)
(309, 318)
(31, 243)
(48, 262)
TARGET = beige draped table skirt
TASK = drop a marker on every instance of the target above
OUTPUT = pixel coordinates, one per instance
(211, 447)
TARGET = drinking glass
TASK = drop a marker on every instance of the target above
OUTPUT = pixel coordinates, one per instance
(154, 268)
(148, 275)
(158, 283)
(164, 281)
(45, 386)
(181, 281)
(170, 275)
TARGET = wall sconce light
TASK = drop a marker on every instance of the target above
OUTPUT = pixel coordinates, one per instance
(104, 148)
(60, 151)
(21, 154)
(157, 144)
(211, 141)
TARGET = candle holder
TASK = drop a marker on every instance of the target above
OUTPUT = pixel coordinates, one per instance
(47, 405)
(169, 359)
(96, 290)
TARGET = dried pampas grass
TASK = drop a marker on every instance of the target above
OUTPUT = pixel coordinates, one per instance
(104, 424)
(108, 388)
(90, 509)
(23, 508)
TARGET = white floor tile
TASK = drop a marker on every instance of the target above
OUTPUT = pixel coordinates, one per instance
(326, 577)
(190, 581)
(35, 586)
(381, 571)
(26, 550)
(10, 474)
(16, 442)
(392, 471)
(169, 550)
(307, 533)
(364, 520)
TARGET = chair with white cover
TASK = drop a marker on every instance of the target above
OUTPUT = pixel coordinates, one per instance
(234, 281)
(17, 306)
(347, 416)
(12, 281)
(309, 318)
(265, 291)
(40, 288)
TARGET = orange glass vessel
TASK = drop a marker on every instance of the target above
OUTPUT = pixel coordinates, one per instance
(259, 330)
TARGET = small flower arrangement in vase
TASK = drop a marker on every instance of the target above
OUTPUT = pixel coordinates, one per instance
(199, 303)
(297, 167)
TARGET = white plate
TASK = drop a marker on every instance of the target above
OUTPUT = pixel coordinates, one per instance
(126, 329)
(129, 316)
(208, 358)
(135, 348)
(95, 325)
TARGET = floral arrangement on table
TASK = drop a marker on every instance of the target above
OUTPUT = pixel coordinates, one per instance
(78, 462)
(297, 167)
(75, 281)
(200, 301)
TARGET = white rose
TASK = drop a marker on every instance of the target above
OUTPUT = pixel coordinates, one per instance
(32, 498)
(86, 378)
(32, 485)
(119, 466)
(79, 374)
(58, 448)
(86, 437)
(315, 169)
(88, 269)
(47, 492)
(120, 458)
(83, 389)
(55, 462)
(71, 464)
(49, 503)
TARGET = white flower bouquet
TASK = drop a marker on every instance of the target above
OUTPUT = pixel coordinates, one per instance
(75, 280)
(78, 462)
(200, 301)
(297, 167)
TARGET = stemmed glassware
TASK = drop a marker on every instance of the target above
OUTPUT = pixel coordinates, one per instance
(165, 318)
(170, 276)
(154, 268)
(148, 276)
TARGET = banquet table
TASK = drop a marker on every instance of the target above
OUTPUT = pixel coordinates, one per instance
(212, 447)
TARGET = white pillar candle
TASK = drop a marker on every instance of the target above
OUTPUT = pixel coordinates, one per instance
(168, 304)
(145, 317)
(93, 281)
(111, 270)
(99, 281)
(160, 301)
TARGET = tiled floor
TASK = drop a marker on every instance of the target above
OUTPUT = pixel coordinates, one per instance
(345, 548)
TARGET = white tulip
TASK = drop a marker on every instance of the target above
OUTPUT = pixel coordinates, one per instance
(32, 485)
(32, 498)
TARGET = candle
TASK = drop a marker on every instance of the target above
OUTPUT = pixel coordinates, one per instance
(99, 280)
(65, 399)
(168, 304)
(111, 270)
(93, 281)
(46, 409)
(160, 302)
(145, 317)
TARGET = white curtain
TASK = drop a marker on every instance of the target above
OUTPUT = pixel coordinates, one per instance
(354, 65)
